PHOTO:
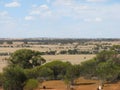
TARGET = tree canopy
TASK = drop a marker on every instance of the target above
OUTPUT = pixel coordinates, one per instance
(14, 78)
(26, 58)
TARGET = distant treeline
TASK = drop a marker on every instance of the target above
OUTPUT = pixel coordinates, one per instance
(5, 54)
(54, 41)
(69, 52)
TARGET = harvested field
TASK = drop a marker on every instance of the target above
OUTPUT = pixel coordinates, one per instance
(3, 62)
(74, 59)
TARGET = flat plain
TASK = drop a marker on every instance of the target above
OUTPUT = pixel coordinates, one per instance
(88, 49)
(91, 47)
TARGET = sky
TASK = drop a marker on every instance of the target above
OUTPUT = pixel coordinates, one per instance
(60, 18)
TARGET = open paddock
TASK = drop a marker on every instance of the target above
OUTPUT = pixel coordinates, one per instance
(74, 59)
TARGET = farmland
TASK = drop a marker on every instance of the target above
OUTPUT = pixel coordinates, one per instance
(72, 50)
(74, 59)
(57, 53)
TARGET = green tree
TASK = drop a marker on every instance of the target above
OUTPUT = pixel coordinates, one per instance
(26, 58)
(31, 73)
(108, 68)
(74, 51)
(103, 56)
(1, 79)
(107, 71)
(31, 84)
(59, 68)
(116, 48)
(45, 73)
(73, 72)
(88, 68)
(14, 78)
(9, 42)
(63, 52)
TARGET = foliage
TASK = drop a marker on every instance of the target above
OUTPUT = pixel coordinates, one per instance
(103, 56)
(105, 66)
(50, 52)
(72, 73)
(31, 84)
(14, 78)
(59, 68)
(26, 58)
(88, 68)
(27, 65)
(74, 51)
(45, 73)
(63, 52)
(116, 48)
(1, 79)
(9, 42)
(31, 73)
(107, 71)
(108, 68)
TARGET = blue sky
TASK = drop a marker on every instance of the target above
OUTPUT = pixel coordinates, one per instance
(60, 18)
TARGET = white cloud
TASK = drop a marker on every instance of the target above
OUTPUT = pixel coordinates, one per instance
(7, 22)
(35, 12)
(71, 8)
(97, 19)
(96, 0)
(92, 12)
(76, 10)
(45, 7)
(81, 7)
(3, 13)
(63, 2)
(41, 11)
(28, 18)
(13, 4)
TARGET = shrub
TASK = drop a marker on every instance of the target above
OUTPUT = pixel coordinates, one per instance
(14, 78)
(31, 84)
(1, 79)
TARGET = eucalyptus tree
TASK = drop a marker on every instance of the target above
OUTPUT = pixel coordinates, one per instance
(26, 58)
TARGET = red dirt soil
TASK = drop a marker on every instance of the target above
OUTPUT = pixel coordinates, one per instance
(82, 84)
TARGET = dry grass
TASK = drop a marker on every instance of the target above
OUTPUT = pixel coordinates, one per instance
(3, 62)
(74, 59)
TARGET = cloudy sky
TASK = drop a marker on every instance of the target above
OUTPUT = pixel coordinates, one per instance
(60, 18)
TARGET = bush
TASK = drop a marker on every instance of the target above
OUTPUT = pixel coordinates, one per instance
(31, 73)
(88, 68)
(46, 73)
(26, 58)
(31, 84)
(59, 68)
(1, 79)
(14, 78)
